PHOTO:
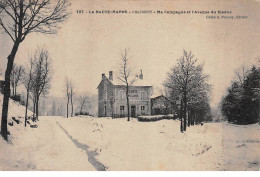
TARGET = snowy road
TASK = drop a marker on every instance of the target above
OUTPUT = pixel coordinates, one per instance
(91, 155)
(92, 144)
(159, 145)
(44, 148)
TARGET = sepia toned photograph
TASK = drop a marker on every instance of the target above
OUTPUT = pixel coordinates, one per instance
(129, 85)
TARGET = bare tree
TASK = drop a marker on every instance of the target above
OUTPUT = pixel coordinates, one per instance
(126, 77)
(16, 77)
(18, 18)
(90, 104)
(33, 96)
(72, 93)
(241, 74)
(67, 85)
(41, 81)
(186, 80)
(26, 80)
(83, 101)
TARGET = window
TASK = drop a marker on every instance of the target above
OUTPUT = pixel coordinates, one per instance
(143, 95)
(122, 108)
(143, 110)
(122, 95)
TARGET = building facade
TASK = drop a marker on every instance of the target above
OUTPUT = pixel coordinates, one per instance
(112, 97)
(160, 105)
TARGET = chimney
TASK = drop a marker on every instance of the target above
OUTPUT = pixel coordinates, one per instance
(103, 75)
(141, 75)
(111, 75)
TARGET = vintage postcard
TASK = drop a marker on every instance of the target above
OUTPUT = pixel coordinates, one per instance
(130, 85)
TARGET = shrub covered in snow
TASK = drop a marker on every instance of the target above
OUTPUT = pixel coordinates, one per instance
(155, 117)
(83, 113)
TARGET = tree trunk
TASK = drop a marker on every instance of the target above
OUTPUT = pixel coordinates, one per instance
(68, 108)
(34, 107)
(15, 89)
(26, 106)
(127, 100)
(81, 107)
(8, 71)
(37, 108)
(181, 127)
(71, 102)
(189, 118)
(194, 116)
(185, 110)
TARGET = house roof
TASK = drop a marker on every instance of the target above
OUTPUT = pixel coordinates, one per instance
(156, 92)
(154, 96)
(138, 82)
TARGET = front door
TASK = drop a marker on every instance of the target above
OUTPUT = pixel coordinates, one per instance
(133, 111)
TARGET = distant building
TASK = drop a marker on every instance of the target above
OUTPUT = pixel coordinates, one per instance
(112, 97)
(161, 105)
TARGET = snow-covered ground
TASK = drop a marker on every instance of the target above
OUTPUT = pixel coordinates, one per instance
(15, 109)
(69, 144)
(89, 143)
(134, 145)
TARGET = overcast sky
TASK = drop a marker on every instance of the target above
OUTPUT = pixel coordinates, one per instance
(90, 44)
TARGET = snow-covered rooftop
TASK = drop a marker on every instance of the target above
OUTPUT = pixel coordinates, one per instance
(156, 92)
(138, 82)
(155, 95)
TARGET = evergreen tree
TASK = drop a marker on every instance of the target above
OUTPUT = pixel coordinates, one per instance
(241, 104)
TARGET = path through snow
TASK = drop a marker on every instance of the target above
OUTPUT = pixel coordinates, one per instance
(42, 148)
(91, 154)
(88, 143)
